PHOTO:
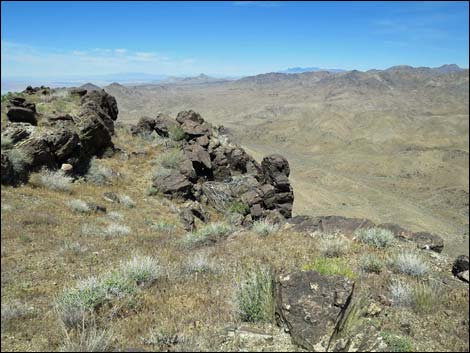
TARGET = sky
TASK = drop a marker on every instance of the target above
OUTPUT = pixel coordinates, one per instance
(230, 38)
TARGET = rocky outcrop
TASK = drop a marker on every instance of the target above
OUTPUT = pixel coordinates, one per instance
(219, 172)
(58, 139)
(311, 306)
(348, 226)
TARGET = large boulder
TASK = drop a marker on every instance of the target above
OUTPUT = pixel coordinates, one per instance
(145, 126)
(173, 184)
(311, 306)
(190, 115)
(22, 115)
(164, 124)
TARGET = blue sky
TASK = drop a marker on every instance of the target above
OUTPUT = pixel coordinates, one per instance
(61, 39)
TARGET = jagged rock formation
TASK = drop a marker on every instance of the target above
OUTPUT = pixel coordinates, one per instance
(50, 141)
(219, 172)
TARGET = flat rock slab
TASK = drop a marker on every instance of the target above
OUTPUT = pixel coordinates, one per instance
(311, 305)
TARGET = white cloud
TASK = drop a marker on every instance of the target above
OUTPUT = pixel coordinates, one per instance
(23, 60)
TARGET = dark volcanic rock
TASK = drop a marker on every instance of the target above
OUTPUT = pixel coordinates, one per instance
(7, 171)
(62, 139)
(173, 184)
(191, 115)
(461, 264)
(428, 241)
(144, 126)
(22, 115)
(329, 224)
(311, 306)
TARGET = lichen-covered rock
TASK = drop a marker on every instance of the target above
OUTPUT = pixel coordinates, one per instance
(311, 305)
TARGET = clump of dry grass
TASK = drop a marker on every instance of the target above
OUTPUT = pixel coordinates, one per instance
(264, 228)
(126, 201)
(210, 233)
(52, 180)
(255, 296)
(87, 339)
(116, 230)
(79, 206)
(333, 246)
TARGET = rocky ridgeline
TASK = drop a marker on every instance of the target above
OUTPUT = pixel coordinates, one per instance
(218, 172)
(37, 141)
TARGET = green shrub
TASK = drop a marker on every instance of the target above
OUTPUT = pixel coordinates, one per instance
(377, 237)
(330, 266)
(176, 133)
(238, 207)
(256, 296)
(396, 343)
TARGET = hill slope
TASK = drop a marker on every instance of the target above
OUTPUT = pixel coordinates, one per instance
(388, 145)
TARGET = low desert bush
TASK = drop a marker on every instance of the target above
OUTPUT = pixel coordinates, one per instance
(397, 343)
(126, 201)
(143, 270)
(264, 228)
(52, 180)
(171, 159)
(116, 230)
(98, 173)
(79, 206)
(163, 226)
(210, 233)
(333, 246)
(370, 263)
(377, 237)
(410, 264)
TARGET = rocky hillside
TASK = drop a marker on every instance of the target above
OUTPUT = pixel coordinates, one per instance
(167, 235)
(383, 144)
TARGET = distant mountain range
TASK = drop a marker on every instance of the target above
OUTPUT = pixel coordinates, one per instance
(138, 78)
(299, 70)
